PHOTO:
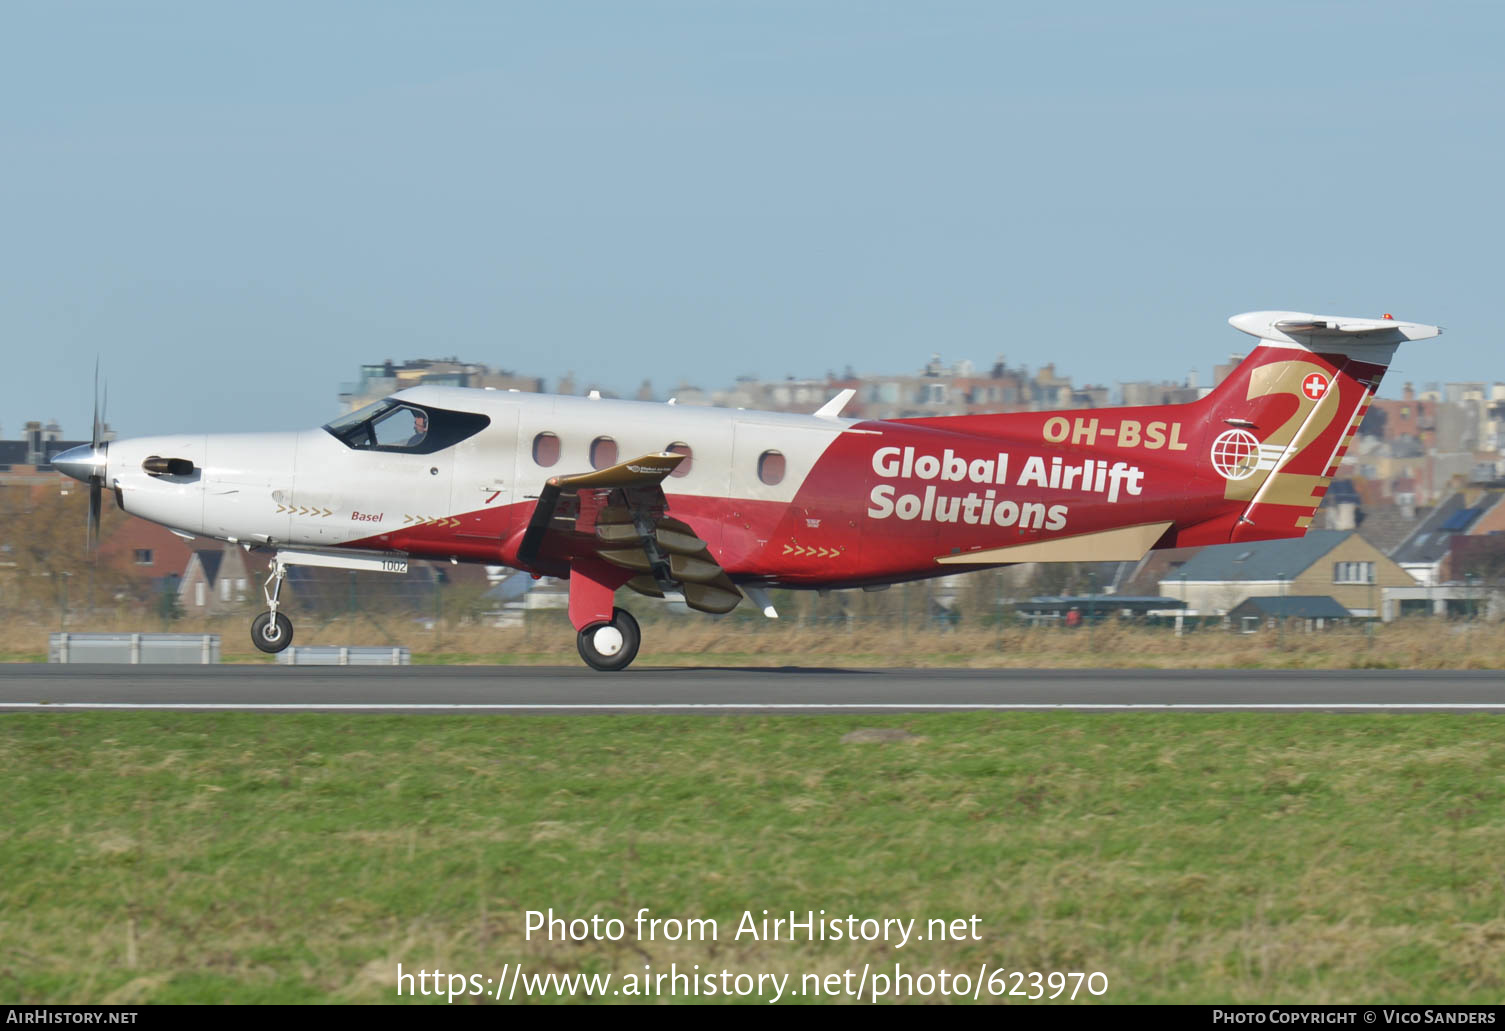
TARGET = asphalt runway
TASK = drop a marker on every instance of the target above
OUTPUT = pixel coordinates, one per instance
(715, 690)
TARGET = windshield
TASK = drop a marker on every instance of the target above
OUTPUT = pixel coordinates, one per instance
(392, 425)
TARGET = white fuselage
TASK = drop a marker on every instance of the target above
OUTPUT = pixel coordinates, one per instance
(310, 489)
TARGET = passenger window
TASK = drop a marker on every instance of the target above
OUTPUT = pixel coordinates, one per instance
(603, 453)
(771, 468)
(683, 468)
(545, 449)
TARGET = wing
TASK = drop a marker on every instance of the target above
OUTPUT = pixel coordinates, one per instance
(620, 515)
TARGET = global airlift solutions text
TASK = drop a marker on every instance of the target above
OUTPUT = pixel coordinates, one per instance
(1090, 476)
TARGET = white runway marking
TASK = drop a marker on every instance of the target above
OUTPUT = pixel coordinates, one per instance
(755, 706)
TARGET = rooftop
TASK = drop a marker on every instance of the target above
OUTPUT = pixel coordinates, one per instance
(1301, 606)
(1261, 560)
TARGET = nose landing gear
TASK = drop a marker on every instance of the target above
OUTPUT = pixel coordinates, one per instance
(272, 631)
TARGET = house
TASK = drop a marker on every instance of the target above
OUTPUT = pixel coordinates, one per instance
(1337, 563)
(1478, 558)
(1426, 550)
(1491, 513)
(1315, 612)
(1386, 523)
(216, 580)
(1158, 565)
(1340, 506)
(145, 552)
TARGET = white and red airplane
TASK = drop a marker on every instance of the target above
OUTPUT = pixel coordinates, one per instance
(718, 505)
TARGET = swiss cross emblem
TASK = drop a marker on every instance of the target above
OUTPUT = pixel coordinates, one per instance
(1314, 386)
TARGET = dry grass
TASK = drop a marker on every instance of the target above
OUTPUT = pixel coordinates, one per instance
(742, 640)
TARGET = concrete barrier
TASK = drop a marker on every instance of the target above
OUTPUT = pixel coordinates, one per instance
(134, 649)
(344, 655)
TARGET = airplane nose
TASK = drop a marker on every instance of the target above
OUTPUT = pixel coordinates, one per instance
(83, 463)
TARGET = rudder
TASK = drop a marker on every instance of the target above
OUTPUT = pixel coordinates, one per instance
(1286, 416)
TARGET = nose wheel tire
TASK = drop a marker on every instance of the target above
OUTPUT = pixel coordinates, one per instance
(610, 646)
(271, 635)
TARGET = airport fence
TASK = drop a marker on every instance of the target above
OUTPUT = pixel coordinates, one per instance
(133, 648)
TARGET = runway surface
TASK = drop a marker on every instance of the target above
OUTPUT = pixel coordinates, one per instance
(719, 691)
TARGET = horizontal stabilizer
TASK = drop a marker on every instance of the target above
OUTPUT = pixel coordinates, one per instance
(1307, 329)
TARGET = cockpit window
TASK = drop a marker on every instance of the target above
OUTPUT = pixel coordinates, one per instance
(392, 425)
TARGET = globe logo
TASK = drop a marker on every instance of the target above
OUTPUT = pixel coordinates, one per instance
(1235, 454)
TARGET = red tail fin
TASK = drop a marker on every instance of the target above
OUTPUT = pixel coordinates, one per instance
(1278, 426)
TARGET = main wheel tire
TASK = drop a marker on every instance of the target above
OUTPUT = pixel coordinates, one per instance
(610, 646)
(271, 636)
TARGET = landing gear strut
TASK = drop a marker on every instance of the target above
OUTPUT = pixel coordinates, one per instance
(608, 646)
(272, 631)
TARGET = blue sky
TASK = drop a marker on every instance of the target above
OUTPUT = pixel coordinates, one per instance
(236, 205)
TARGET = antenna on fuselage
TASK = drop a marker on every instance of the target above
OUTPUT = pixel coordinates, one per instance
(832, 408)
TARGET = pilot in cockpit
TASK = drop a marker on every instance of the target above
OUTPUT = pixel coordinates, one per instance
(420, 429)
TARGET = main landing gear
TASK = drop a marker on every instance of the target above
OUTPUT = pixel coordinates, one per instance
(609, 646)
(272, 631)
(607, 637)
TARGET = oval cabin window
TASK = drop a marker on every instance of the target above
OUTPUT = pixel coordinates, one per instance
(771, 467)
(545, 449)
(603, 452)
(683, 468)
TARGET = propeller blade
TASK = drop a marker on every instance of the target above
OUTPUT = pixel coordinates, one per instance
(96, 492)
(94, 438)
(96, 481)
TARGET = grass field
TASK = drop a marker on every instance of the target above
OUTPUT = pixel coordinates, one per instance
(1190, 858)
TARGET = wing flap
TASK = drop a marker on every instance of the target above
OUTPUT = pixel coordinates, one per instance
(645, 473)
(617, 515)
